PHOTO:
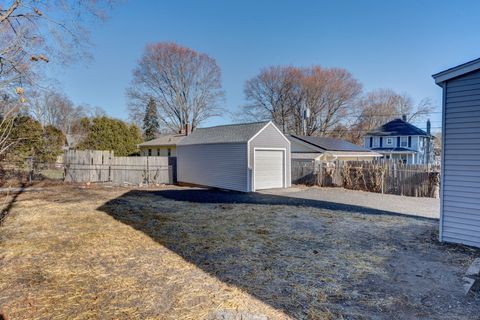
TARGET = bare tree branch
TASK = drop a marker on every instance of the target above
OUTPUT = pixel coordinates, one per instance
(185, 85)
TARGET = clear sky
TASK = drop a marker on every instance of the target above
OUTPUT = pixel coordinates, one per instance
(384, 44)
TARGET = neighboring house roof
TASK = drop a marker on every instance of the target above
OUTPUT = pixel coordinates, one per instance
(397, 127)
(329, 144)
(164, 140)
(457, 71)
(232, 133)
(399, 149)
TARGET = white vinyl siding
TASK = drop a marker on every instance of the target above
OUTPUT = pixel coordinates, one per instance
(231, 165)
(161, 151)
(460, 220)
(270, 137)
(222, 165)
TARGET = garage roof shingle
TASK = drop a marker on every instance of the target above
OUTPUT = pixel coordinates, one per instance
(232, 133)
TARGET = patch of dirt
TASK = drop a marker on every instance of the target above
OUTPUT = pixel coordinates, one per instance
(179, 253)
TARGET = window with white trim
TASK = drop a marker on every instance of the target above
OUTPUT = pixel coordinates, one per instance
(389, 141)
(404, 142)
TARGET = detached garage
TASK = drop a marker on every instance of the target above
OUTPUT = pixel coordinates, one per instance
(242, 157)
(460, 186)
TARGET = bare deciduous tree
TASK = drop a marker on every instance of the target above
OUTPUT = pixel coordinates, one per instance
(55, 109)
(284, 93)
(52, 108)
(185, 85)
(34, 33)
(383, 105)
(274, 94)
(330, 95)
(9, 108)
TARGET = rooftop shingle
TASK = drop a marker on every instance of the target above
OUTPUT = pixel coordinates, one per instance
(233, 133)
(164, 140)
(330, 144)
(397, 127)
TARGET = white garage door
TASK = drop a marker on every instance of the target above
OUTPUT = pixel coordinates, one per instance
(269, 169)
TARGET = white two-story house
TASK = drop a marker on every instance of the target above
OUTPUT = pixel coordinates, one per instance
(399, 140)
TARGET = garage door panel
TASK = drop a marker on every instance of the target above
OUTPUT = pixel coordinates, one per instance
(269, 169)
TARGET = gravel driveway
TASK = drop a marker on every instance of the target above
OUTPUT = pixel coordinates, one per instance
(421, 207)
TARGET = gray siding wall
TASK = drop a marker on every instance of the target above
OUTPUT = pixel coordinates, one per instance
(460, 220)
(214, 165)
(270, 137)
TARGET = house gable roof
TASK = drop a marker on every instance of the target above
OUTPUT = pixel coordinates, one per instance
(397, 127)
(232, 133)
(457, 71)
(329, 144)
(164, 140)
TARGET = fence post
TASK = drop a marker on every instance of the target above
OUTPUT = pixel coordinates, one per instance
(148, 171)
(383, 180)
(170, 174)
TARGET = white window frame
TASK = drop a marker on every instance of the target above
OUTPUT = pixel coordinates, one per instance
(389, 141)
(404, 142)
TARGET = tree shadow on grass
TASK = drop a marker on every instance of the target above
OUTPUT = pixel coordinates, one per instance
(7, 206)
(213, 196)
(293, 260)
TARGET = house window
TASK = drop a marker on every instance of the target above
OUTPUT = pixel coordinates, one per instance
(149, 152)
(169, 152)
(404, 142)
(376, 142)
(389, 141)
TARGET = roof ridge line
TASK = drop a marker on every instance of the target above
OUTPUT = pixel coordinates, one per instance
(234, 124)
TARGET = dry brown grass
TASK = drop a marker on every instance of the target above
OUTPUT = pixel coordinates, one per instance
(69, 253)
(63, 259)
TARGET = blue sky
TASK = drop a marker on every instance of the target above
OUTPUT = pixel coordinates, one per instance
(384, 44)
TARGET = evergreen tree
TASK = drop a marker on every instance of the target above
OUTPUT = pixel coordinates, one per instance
(150, 121)
(105, 133)
(31, 140)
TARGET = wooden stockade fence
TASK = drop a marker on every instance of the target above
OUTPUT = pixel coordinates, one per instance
(103, 166)
(382, 177)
